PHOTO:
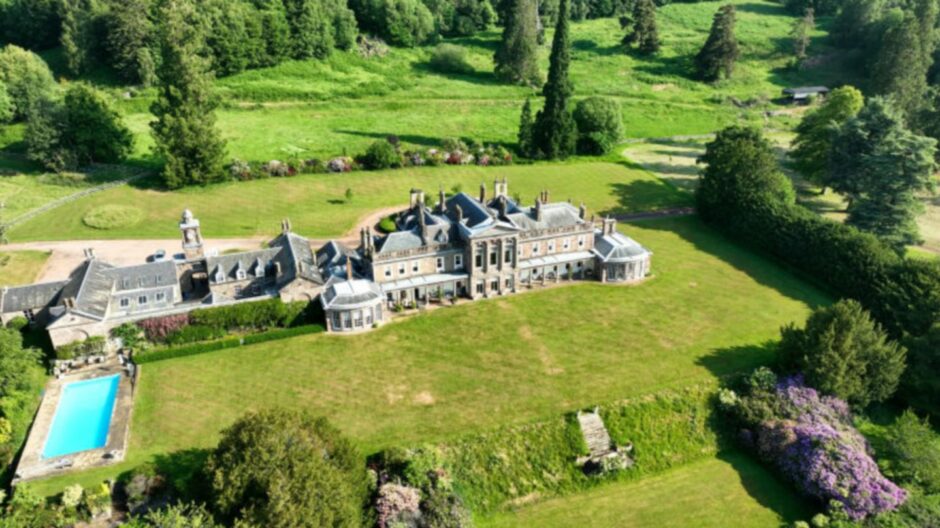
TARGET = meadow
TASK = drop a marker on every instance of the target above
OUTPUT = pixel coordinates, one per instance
(493, 363)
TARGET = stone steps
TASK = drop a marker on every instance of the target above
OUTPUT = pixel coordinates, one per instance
(595, 434)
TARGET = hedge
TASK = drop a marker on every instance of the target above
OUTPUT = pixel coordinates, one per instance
(161, 354)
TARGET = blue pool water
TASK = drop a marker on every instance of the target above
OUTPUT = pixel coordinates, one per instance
(82, 417)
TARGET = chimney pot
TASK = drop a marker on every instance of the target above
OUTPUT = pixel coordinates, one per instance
(482, 193)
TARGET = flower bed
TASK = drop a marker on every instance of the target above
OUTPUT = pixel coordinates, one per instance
(160, 354)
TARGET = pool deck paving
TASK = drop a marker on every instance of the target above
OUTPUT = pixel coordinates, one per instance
(32, 465)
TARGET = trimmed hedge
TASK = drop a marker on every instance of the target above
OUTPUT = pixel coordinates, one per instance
(161, 354)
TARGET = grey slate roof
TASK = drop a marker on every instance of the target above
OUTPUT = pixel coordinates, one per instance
(150, 275)
(554, 215)
(94, 292)
(31, 297)
(803, 91)
(247, 261)
(399, 241)
(617, 247)
(332, 257)
(297, 258)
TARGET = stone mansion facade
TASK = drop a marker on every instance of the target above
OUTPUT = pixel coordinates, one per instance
(463, 246)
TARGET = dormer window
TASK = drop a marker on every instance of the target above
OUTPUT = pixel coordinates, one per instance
(219, 276)
(125, 283)
(159, 279)
(240, 274)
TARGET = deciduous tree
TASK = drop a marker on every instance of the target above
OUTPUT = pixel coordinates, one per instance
(802, 27)
(644, 34)
(27, 78)
(813, 142)
(720, 52)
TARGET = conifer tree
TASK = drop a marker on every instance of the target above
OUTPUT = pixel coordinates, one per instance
(77, 38)
(900, 66)
(129, 36)
(525, 130)
(555, 132)
(720, 51)
(880, 166)
(516, 57)
(644, 35)
(802, 27)
(184, 130)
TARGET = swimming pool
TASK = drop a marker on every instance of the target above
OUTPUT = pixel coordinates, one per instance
(82, 417)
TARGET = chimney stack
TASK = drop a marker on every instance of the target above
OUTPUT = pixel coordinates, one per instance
(349, 268)
(285, 226)
(582, 211)
(415, 196)
(610, 226)
(503, 205)
(424, 227)
(89, 253)
(538, 209)
(442, 206)
(482, 193)
(459, 211)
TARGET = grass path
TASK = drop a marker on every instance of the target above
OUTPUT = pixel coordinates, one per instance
(730, 491)
(510, 360)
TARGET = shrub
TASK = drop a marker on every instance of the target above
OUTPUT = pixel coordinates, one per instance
(18, 323)
(112, 216)
(812, 441)
(151, 356)
(387, 224)
(380, 155)
(72, 496)
(256, 315)
(93, 346)
(397, 504)
(450, 58)
(287, 468)
(915, 452)
(27, 78)
(158, 328)
(844, 353)
(193, 334)
(921, 383)
(600, 125)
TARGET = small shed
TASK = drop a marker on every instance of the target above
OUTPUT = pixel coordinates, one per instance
(803, 94)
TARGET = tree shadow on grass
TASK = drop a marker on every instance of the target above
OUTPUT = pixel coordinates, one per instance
(735, 360)
(186, 472)
(646, 195)
(762, 9)
(424, 141)
(680, 66)
(768, 489)
(762, 269)
(590, 46)
(486, 78)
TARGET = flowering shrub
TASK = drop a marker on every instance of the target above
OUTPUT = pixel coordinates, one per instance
(397, 504)
(341, 164)
(277, 169)
(814, 444)
(241, 170)
(158, 328)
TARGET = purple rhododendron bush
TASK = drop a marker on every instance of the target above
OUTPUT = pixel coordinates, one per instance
(810, 438)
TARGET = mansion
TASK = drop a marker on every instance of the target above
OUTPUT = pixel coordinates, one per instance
(463, 246)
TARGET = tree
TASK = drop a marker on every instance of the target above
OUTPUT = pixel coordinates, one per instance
(174, 516)
(32, 24)
(129, 34)
(915, 452)
(317, 27)
(184, 131)
(718, 55)
(526, 124)
(82, 129)
(78, 36)
(802, 27)
(27, 78)
(741, 173)
(555, 133)
(6, 105)
(900, 66)
(516, 57)
(813, 142)
(381, 155)
(880, 166)
(843, 352)
(282, 468)
(921, 384)
(600, 125)
(644, 34)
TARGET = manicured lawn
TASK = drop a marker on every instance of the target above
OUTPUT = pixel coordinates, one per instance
(706, 313)
(730, 491)
(20, 267)
(317, 206)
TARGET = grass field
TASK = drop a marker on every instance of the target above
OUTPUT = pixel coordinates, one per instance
(706, 313)
(20, 267)
(317, 206)
(321, 108)
(729, 491)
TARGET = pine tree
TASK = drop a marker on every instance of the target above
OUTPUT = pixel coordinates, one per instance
(554, 132)
(184, 130)
(644, 34)
(802, 27)
(311, 34)
(525, 130)
(516, 57)
(720, 51)
(880, 166)
(129, 35)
